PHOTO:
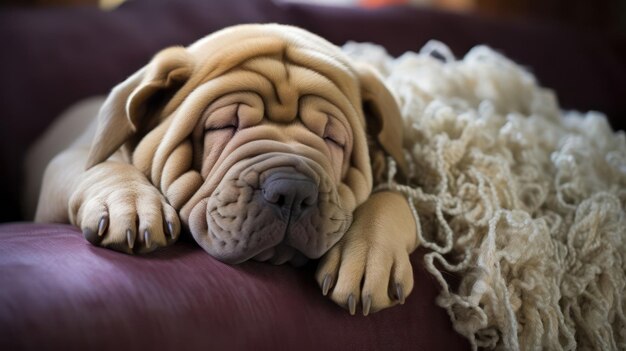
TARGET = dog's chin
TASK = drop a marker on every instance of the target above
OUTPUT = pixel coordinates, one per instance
(236, 224)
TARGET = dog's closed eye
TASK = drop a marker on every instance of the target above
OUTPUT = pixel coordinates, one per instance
(222, 118)
(335, 133)
(229, 127)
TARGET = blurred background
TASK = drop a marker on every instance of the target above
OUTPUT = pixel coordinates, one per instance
(56, 52)
(607, 16)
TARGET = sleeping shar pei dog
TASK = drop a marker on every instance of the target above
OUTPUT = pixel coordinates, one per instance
(262, 141)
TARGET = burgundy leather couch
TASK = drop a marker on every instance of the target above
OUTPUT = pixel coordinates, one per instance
(59, 292)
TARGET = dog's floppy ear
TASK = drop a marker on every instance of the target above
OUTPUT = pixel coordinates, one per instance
(383, 116)
(125, 109)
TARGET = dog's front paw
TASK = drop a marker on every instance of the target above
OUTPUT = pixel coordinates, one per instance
(370, 265)
(357, 272)
(117, 207)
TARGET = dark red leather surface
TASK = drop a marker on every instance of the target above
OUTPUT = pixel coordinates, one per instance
(57, 291)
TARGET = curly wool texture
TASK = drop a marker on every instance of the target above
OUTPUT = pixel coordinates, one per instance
(522, 203)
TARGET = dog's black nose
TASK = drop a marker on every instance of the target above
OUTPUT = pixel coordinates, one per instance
(291, 194)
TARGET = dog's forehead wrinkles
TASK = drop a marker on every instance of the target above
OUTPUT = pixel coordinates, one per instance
(283, 88)
(263, 50)
(281, 83)
(282, 102)
(242, 109)
(229, 48)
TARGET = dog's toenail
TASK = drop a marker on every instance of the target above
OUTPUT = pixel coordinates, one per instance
(130, 238)
(326, 284)
(102, 225)
(367, 304)
(352, 304)
(146, 238)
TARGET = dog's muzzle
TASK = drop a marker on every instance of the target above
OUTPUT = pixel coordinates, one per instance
(278, 209)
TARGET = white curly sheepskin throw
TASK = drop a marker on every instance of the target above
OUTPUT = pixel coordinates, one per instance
(520, 203)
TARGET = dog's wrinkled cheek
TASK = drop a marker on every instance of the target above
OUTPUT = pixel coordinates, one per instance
(214, 143)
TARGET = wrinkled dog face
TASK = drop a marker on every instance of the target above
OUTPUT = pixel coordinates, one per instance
(255, 134)
(276, 175)
(275, 149)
